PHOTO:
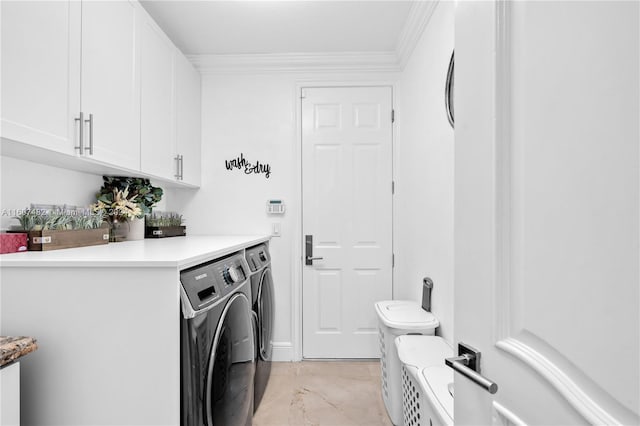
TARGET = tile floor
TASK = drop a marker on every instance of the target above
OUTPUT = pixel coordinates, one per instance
(323, 393)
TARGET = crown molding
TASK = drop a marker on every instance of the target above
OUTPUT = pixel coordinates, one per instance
(391, 61)
(296, 62)
(418, 19)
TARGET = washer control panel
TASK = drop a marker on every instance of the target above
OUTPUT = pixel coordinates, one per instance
(209, 282)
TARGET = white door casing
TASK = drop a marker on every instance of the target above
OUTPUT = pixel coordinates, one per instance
(347, 208)
(547, 210)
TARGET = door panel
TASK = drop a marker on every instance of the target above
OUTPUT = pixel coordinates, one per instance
(188, 140)
(41, 73)
(547, 210)
(111, 80)
(157, 137)
(346, 148)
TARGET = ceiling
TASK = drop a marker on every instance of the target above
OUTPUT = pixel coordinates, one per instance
(218, 27)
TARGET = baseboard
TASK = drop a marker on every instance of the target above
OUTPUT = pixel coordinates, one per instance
(283, 351)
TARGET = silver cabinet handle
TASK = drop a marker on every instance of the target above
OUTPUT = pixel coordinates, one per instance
(90, 121)
(468, 364)
(80, 147)
(179, 166)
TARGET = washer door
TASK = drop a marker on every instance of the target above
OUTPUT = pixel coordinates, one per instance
(229, 384)
(265, 315)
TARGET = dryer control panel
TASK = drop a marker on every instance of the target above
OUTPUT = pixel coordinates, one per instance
(258, 257)
(209, 282)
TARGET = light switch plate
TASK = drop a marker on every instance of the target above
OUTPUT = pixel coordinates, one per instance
(275, 229)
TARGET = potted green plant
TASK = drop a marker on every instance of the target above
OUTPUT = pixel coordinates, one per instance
(58, 228)
(164, 224)
(126, 201)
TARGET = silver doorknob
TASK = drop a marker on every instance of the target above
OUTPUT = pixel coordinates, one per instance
(308, 243)
(467, 363)
(311, 259)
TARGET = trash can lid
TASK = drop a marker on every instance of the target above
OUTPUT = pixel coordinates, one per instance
(406, 315)
(423, 351)
(438, 380)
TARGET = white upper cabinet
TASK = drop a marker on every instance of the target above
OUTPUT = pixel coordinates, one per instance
(157, 119)
(188, 111)
(111, 83)
(101, 81)
(41, 73)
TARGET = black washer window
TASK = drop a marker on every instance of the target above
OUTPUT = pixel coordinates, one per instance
(265, 315)
(229, 387)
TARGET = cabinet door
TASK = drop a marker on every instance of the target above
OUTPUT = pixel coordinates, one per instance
(188, 107)
(10, 395)
(111, 81)
(157, 133)
(41, 73)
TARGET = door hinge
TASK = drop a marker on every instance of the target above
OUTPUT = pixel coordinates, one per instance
(393, 260)
(393, 115)
(393, 187)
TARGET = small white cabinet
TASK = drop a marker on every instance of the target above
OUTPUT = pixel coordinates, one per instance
(41, 73)
(170, 109)
(188, 113)
(157, 102)
(10, 395)
(61, 58)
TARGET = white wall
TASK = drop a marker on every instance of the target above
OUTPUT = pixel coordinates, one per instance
(255, 114)
(25, 182)
(423, 212)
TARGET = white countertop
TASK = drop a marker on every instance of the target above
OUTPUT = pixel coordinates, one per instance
(180, 252)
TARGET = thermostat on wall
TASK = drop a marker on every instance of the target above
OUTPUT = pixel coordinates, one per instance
(275, 207)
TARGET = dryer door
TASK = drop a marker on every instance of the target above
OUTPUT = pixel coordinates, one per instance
(229, 384)
(265, 315)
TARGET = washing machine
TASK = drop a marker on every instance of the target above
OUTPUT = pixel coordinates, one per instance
(217, 344)
(259, 261)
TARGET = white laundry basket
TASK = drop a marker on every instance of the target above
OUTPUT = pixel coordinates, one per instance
(396, 318)
(426, 400)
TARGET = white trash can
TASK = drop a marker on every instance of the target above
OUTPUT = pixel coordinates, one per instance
(425, 380)
(396, 318)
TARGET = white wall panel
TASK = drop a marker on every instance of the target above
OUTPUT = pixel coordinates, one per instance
(365, 199)
(423, 206)
(329, 305)
(365, 282)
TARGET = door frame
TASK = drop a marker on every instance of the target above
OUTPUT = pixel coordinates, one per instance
(298, 254)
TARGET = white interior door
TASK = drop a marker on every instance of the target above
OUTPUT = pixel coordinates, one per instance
(547, 211)
(347, 177)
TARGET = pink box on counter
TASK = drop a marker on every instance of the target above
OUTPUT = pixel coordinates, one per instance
(13, 242)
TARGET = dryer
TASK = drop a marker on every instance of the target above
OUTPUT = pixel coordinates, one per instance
(217, 344)
(262, 293)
